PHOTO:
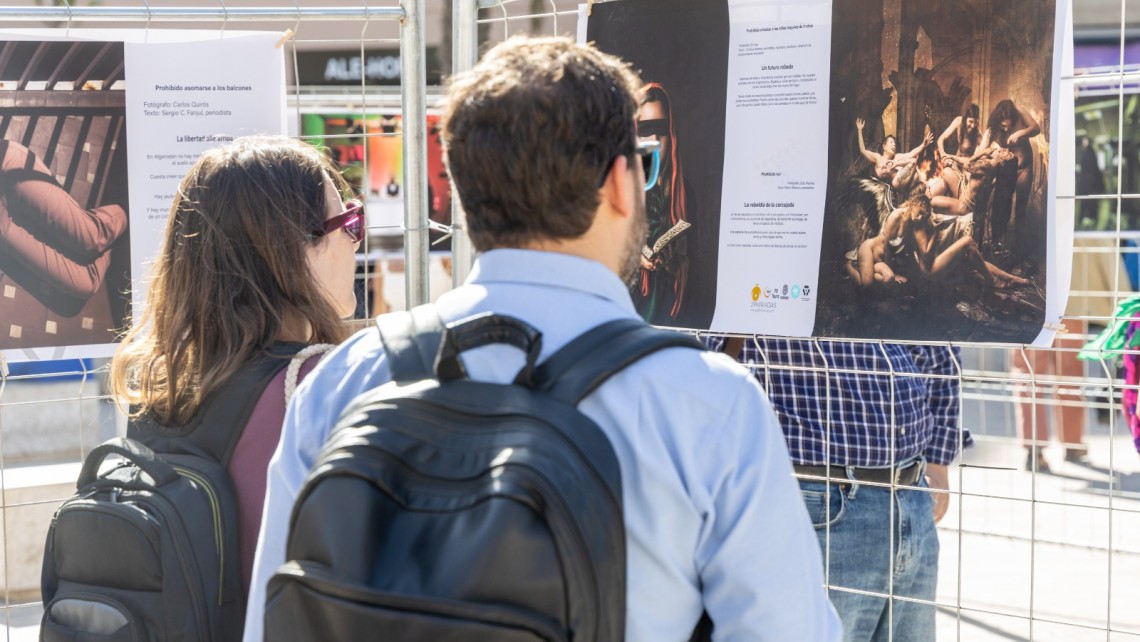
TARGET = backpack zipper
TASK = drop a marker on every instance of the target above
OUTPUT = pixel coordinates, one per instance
(215, 506)
(76, 503)
(189, 571)
(55, 516)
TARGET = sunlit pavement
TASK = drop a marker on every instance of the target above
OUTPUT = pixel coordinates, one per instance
(1017, 544)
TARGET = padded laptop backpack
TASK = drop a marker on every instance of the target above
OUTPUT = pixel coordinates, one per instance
(147, 548)
(447, 509)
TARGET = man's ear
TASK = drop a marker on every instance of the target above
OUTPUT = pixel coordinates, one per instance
(618, 188)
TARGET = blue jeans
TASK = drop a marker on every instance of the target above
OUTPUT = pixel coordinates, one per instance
(854, 526)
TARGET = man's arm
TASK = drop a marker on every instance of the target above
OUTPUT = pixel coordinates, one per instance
(947, 439)
(758, 557)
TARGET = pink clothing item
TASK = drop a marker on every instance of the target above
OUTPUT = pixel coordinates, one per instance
(1131, 378)
(250, 462)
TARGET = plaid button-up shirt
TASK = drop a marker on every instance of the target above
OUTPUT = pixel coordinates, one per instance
(860, 404)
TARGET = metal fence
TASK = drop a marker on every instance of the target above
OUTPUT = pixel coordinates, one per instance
(1026, 554)
(1031, 553)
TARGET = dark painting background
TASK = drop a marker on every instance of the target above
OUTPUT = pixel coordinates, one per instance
(682, 44)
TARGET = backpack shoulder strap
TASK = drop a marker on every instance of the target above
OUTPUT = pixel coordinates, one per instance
(233, 405)
(585, 363)
(219, 423)
(411, 342)
(293, 371)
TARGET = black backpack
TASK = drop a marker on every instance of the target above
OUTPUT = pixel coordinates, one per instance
(148, 550)
(447, 509)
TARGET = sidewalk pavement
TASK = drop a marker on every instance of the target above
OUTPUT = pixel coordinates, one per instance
(1061, 547)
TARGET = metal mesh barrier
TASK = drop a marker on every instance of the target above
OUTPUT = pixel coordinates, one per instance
(1031, 549)
(1034, 549)
(357, 100)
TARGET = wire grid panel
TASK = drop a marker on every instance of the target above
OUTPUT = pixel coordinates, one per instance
(1033, 547)
(53, 413)
(499, 20)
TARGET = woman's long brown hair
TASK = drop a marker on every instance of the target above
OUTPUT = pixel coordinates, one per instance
(971, 112)
(674, 184)
(231, 275)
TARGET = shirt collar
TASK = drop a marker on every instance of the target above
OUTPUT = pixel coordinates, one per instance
(550, 269)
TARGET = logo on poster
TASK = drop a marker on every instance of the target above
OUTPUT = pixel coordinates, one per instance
(795, 291)
(757, 293)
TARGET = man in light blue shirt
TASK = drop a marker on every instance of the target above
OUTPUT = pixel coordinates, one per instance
(542, 145)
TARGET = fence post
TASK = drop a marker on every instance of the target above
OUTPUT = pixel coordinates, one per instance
(414, 109)
(464, 51)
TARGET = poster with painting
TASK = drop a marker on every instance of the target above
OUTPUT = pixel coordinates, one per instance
(859, 168)
(96, 131)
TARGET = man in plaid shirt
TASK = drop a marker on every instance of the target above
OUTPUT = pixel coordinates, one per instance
(869, 426)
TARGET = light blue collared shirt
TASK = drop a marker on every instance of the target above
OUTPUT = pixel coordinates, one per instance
(714, 519)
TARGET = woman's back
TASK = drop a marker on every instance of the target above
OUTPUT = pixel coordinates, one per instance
(257, 263)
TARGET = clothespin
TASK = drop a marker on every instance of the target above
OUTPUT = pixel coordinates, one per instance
(285, 37)
(1056, 327)
(3, 367)
(589, 7)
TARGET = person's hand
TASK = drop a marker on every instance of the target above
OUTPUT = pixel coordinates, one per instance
(647, 264)
(1014, 137)
(938, 477)
(928, 138)
(859, 122)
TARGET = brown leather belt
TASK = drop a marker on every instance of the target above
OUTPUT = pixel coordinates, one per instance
(907, 476)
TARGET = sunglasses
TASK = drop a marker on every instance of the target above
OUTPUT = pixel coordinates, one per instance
(351, 220)
(653, 127)
(650, 153)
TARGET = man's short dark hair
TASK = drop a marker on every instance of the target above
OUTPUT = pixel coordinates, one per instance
(530, 132)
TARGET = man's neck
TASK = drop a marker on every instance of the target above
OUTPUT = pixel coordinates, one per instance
(584, 247)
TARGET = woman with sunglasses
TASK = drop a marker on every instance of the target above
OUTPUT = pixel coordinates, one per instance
(659, 290)
(257, 263)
